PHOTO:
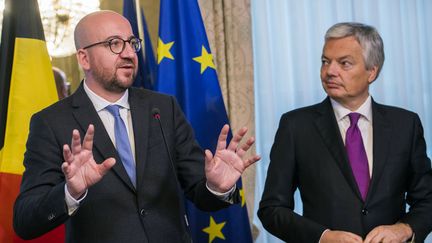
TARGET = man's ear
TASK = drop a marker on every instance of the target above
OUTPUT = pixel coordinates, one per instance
(83, 59)
(373, 72)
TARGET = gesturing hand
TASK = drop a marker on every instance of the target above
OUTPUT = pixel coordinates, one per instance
(80, 168)
(226, 166)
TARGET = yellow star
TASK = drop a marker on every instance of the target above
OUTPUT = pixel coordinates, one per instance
(163, 50)
(206, 60)
(243, 198)
(214, 230)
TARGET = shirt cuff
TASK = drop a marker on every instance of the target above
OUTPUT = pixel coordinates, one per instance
(72, 203)
(323, 234)
(225, 196)
(412, 240)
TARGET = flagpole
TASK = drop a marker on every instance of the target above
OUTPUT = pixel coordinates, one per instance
(140, 27)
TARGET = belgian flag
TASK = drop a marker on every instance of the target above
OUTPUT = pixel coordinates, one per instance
(26, 86)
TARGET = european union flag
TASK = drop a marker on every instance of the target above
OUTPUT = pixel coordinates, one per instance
(187, 71)
(146, 75)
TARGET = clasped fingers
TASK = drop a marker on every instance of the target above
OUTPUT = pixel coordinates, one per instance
(398, 232)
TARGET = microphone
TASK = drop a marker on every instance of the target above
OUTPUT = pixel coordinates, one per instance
(156, 115)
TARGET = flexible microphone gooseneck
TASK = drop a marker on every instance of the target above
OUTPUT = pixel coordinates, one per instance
(156, 115)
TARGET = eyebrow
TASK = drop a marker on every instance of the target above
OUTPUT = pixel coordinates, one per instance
(117, 36)
(111, 37)
(339, 58)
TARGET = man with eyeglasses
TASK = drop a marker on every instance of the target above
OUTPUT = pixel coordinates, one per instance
(120, 183)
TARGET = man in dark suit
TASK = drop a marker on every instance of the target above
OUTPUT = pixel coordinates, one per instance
(356, 163)
(119, 184)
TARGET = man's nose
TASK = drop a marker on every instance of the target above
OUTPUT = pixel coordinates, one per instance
(332, 69)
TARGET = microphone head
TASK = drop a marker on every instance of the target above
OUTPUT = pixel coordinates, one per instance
(156, 113)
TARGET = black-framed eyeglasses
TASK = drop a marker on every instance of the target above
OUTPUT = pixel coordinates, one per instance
(117, 44)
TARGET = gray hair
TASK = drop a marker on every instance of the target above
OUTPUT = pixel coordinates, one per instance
(368, 38)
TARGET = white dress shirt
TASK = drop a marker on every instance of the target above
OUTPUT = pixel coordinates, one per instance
(107, 118)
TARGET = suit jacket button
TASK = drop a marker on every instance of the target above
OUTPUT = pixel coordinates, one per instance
(143, 212)
(364, 211)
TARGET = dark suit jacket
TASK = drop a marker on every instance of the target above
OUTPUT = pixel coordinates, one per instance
(113, 210)
(308, 154)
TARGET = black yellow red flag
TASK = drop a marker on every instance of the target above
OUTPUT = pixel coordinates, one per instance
(26, 86)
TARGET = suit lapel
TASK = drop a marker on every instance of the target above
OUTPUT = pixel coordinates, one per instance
(381, 141)
(85, 114)
(329, 130)
(141, 118)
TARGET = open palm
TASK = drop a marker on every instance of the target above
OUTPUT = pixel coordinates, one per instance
(226, 166)
(80, 168)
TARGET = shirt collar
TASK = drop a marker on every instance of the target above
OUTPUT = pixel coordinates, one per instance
(341, 112)
(100, 103)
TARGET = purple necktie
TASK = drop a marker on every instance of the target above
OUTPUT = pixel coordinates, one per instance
(357, 154)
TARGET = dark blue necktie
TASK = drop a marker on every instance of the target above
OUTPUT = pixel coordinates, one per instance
(122, 143)
(357, 155)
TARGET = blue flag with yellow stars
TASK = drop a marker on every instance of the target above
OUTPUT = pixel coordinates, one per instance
(187, 71)
(146, 75)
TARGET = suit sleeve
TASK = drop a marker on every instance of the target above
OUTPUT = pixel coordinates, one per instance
(189, 160)
(40, 206)
(277, 203)
(419, 194)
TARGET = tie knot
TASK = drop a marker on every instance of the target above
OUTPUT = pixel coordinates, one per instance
(354, 117)
(114, 110)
